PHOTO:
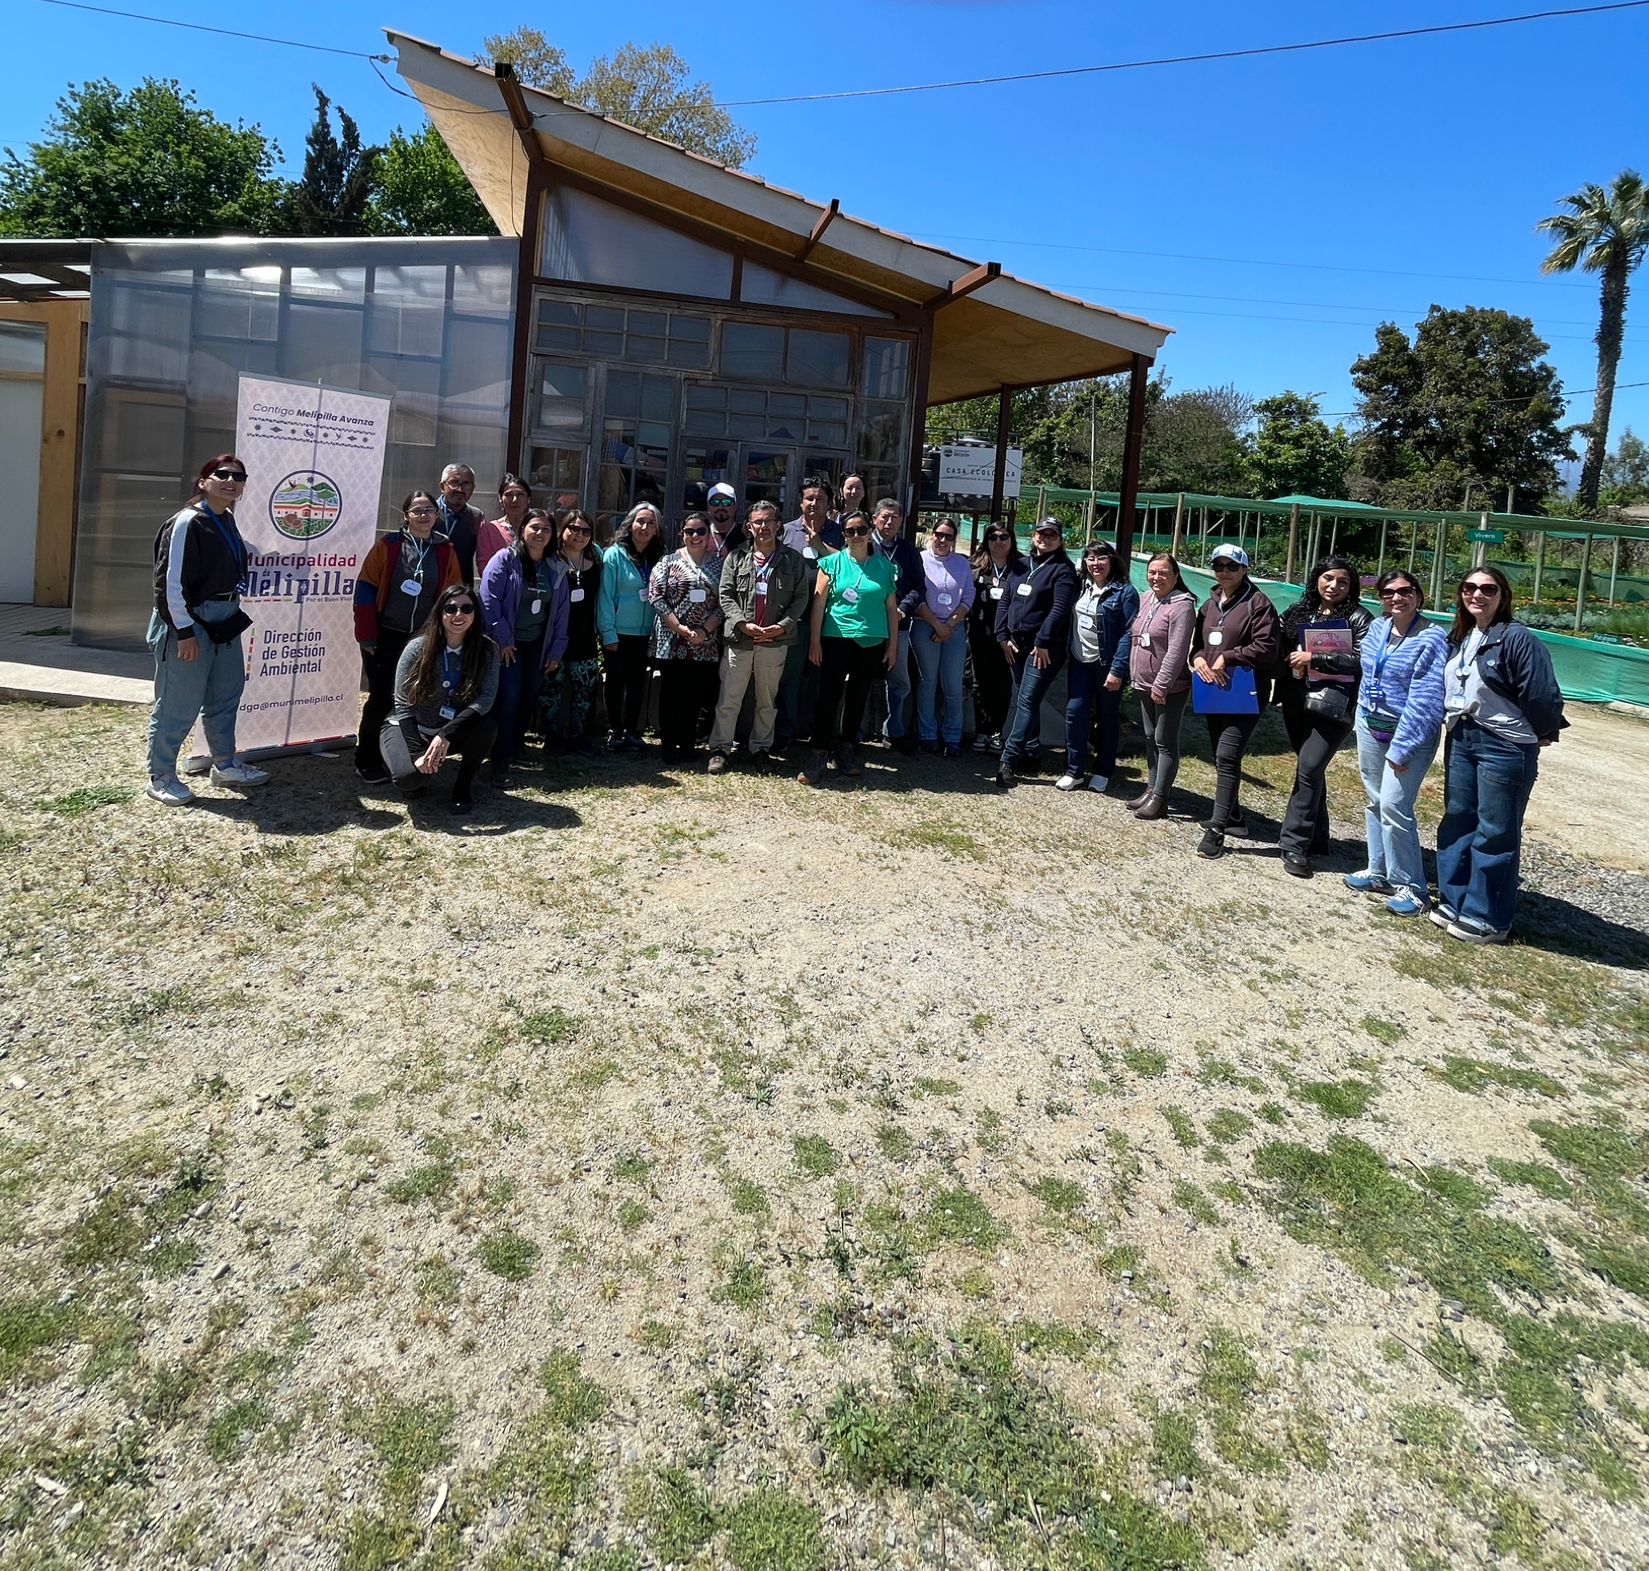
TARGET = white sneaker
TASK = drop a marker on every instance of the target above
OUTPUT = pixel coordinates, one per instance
(1100, 783)
(170, 790)
(237, 772)
(1067, 782)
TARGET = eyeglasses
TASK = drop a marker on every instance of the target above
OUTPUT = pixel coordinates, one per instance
(420, 512)
(1398, 591)
(1491, 589)
(857, 532)
(237, 475)
(458, 610)
(692, 532)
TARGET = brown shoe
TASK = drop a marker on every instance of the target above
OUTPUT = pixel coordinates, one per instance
(1133, 804)
(1152, 807)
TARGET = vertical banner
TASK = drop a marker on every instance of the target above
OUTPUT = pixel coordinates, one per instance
(314, 460)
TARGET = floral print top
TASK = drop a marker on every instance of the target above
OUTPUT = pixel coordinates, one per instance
(689, 591)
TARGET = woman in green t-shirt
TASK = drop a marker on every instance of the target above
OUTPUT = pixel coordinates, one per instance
(854, 643)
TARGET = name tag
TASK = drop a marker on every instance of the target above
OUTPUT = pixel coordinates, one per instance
(810, 554)
(851, 596)
(577, 594)
(943, 598)
(411, 586)
(697, 596)
(996, 591)
(1216, 638)
(448, 712)
(538, 607)
(1144, 640)
(1025, 590)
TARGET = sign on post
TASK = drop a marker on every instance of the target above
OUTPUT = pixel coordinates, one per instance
(1486, 536)
(969, 469)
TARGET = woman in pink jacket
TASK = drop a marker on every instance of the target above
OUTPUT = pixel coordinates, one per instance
(1159, 669)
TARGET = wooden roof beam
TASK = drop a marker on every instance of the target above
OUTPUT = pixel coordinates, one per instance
(825, 219)
(961, 288)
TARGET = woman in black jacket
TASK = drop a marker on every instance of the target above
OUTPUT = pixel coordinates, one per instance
(1033, 626)
(1501, 705)
(996, 561)
(1322, 638)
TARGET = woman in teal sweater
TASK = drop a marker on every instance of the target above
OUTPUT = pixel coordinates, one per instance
(624, 621)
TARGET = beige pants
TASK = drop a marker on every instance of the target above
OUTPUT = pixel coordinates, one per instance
(764, 665)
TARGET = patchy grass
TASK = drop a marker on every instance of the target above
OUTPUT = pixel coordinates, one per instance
(771, 1530)
(1476, 1076)
(86, 799)
(508, 1254)
(816, 1157)
(573, 1400)
(1348, 1098)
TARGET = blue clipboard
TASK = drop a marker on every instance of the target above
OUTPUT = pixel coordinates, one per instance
(1208, 698)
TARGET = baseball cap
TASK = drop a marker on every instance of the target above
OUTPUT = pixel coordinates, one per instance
(1230, 553)
(1049, 523)
(722, 492)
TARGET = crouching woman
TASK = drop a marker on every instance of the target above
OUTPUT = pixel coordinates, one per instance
(445, 685)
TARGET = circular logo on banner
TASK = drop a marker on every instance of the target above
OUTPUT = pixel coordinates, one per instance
(305, 505)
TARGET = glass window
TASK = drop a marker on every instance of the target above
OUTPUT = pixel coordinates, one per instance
(554, 473)
(650, 350)
(788, 406)
(560, 401)
(832, 431)
(609, 345)
(623, 394)
(690, 329)
(654, 324)
(703, 468)
(746, 400)
(818, 359)
(658, 397)
(886, 372)
(753, 351)
(23, 348)
(763, 286)
(604, 316)
(688, 355)
(589, 241)
(880, 432)
(239, 303)
(827, 408)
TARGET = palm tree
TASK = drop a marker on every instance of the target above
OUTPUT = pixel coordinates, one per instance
(1604, 232)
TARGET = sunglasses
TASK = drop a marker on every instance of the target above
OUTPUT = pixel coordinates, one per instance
(1480, 589)
(458, 610)
(691, 532)
(1398, 591)
(237, 475)
(991, 539)
(1223, 566)
(576, 529)
(940, 534)
(857, 532)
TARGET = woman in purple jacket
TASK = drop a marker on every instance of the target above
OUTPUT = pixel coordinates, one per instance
(1159, 668)
(524, 605)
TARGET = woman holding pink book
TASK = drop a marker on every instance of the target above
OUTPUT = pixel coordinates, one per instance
(1322, 638)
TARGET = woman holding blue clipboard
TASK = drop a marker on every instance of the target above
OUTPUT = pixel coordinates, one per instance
(1233, 650)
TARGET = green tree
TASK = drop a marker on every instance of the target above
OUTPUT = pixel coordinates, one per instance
(1463, 411)
(331, 196)
(645, 86)
(1294, 451)
(1626, 472)
(422, 191)
(142, 163)
(1194, 441)
(1605, 232)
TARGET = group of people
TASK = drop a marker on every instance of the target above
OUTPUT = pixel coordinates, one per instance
(767, 633)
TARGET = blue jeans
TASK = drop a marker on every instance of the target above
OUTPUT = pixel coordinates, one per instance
(1393, 836)
(1024, 734)
(1486, 785)
(209, 686)
(898, 690)
(939, 668)
(1085, 691)
(516, 706)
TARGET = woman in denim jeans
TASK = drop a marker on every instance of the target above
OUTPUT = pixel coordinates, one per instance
(1102, 619)
(1399, 719)
(1501, 705)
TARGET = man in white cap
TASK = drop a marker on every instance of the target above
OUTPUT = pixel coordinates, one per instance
(726, 533)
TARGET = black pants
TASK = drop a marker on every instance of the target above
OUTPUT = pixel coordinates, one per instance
(1228, 740)
(626, 682)
(402, 745)
(378, 671)
(1316, 740)
(688, 687)
(992, 684)
(1161, 724)
(845, 679)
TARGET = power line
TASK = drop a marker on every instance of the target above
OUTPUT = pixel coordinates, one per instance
(1346, 414)
(1197, 59)
(222, 32)
(1247, 261)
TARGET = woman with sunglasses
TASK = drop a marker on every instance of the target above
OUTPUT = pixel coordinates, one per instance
(1322, 640)
(195, 632)
(1399, 717)
(995, 562)
(445, 684)
(1236, 631)
(1102, 617)
(498, 534)
(524, 609)
(854, 642)
(1159, 668)
(400, 580)
(938, 639)
(1033, 626)
(575, 680)
(1501, 705)
(624, 618)
(685, 591)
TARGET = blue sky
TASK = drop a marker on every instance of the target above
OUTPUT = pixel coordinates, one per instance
(1391, 176)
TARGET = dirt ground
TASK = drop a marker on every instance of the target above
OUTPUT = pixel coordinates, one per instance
(663, 1171)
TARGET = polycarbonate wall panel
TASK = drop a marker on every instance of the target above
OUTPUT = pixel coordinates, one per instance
(425, 322)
